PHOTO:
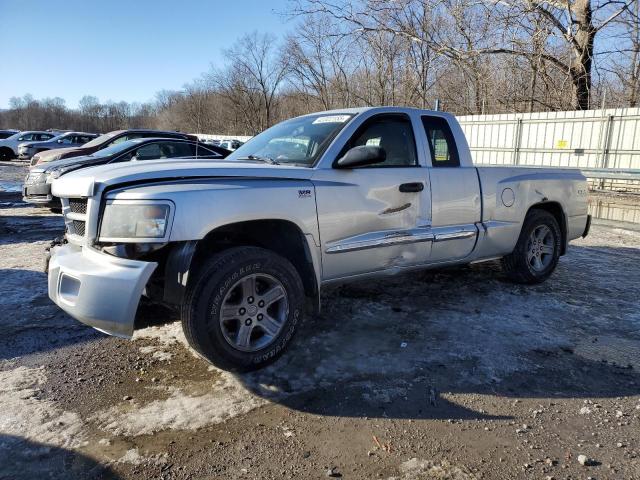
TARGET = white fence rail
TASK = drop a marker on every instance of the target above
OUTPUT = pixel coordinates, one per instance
(605, 142)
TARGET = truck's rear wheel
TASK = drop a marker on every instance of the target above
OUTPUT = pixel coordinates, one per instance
(243, 308)
(538, 249)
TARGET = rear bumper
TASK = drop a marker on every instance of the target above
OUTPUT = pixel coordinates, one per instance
(97, 289)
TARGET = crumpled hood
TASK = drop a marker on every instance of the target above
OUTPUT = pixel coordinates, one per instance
(89, 181)
(47, 155)
(65, 162)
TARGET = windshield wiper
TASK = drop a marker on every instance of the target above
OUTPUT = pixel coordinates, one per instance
(268, 160)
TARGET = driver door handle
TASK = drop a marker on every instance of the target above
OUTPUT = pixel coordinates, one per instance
(412, 187)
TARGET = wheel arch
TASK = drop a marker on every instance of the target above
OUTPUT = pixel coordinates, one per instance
(283, 237)
(555, 209)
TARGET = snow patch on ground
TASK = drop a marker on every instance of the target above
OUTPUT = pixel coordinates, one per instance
(167, 335)
(133, 457)
(161, 355)
(24, 415)
(227, 398)
(415, 469)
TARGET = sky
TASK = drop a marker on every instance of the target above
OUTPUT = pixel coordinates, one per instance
(121, 49)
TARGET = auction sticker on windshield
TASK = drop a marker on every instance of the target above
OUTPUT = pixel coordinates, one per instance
(332, 119)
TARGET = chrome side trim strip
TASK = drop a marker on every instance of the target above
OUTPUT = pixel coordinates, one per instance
(443, 237)
(381, 239)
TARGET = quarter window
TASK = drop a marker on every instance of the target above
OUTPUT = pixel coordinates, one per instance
(441, 143)
(394, 134)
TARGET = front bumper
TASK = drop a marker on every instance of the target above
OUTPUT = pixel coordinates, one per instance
(97, 289)
(40, 194)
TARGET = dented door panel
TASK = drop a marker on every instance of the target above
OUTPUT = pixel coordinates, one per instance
(366, 206)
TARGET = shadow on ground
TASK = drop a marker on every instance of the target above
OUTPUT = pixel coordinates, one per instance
(31, 322)
(394, 347)
(22, 459)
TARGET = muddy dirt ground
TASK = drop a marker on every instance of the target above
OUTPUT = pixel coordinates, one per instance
(453, 374)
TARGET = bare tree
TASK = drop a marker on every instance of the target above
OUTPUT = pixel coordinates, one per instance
(253, 77)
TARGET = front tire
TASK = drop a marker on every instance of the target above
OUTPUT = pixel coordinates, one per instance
(6, 154)
(242, 308)
(537, 252)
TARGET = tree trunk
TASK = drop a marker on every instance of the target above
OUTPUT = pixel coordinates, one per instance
(634, 80)
(580, 69)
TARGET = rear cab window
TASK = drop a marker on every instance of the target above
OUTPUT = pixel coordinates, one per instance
(442, 145)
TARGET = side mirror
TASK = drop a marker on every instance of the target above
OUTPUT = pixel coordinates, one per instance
(59, 141)
(361, 156)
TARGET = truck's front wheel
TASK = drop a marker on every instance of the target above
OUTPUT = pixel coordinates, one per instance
(538, 249)
(243, 308)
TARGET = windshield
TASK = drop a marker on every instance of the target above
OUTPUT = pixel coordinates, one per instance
(101, 139)
(299, 140)
(117, 148)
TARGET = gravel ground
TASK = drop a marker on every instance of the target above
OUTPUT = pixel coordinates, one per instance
(452, 374)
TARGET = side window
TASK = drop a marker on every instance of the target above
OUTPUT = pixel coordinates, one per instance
(149, 152)
(67, 140)
(26, 138)
(83, 139)
(178, 149)
(394, 134)
(441, 143)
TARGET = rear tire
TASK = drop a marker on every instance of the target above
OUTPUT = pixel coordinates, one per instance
(242, 308)
(537, 252)
(6, 154)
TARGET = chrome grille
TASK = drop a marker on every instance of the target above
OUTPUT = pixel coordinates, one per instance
(78, 227)
(78, 205)
(76, 212)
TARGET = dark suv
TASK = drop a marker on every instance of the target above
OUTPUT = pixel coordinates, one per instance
(104, 141)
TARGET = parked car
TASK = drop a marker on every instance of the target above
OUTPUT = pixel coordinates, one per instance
(7, 133)
(104, 141)
(66, 140)
(37, 184)
(9, 145)
(231, 144)
(376, 191)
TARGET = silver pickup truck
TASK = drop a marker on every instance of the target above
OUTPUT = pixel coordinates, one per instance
(244, 246)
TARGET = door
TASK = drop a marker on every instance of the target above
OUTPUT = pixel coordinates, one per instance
(455, 192)
(375, 217)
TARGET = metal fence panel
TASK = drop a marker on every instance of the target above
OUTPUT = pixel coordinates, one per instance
(588, 139)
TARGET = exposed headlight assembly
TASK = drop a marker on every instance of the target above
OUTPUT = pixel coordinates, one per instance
(59, 171)
(135, 221)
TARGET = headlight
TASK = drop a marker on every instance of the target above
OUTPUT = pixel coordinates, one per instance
(123, 221)
(59, 171)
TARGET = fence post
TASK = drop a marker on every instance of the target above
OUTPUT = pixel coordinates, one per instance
(606, 144)
(516, 141)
